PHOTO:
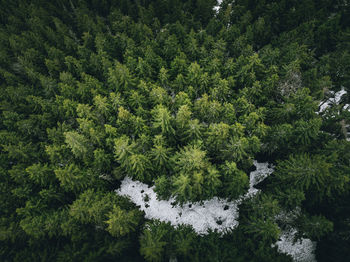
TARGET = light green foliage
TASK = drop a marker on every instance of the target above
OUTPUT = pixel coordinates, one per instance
(136, 99)
(163, 187)
(236, 182)
(208, 111)
(191, 158)
(92, 207)
(212, 181)
(122, 149)
(44, 224)
(163, 76)
(101, 159)
(236, 149)
(101, 104)
(152, 242)
(123, 114)
(198, 178)
(138, 166)
(84, 111)
(181, 99)
(160, 153)
(163, 120)
(262, 230)
(183, 188)
(222, 90)
(72, 178)
(119, 77)
(196, 78)
(193, 131)
(121, 222)
(77, 143)
(183, 116)
(116, 100)
(158, 95)
(40, 174)
(218, 134)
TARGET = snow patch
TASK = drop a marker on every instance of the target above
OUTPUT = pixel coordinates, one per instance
(301, 251)
(217, 7)
(333, 100)
(262, 171)
(215, 214)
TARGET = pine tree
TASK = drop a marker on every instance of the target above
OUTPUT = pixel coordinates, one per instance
(121, 222)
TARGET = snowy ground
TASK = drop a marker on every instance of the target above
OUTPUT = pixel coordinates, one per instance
(301, 251)
(214, 214)
(262, 171)
(335, 100)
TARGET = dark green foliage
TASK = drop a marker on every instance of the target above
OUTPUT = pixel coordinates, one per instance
(173, 94)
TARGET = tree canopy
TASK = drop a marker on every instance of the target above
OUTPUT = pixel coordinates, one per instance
(179, 95)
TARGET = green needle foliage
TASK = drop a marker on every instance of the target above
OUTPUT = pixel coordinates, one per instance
(180, 96)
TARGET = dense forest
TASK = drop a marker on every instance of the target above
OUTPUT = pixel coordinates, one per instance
(184, 96)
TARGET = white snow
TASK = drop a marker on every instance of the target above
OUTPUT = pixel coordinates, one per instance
(333, 100)
(215, 214)
(217, 7)
(262, 171)
(288, 217)
(211, 214)
(301, 251)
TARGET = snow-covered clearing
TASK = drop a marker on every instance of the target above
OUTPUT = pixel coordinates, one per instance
(214, 214)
